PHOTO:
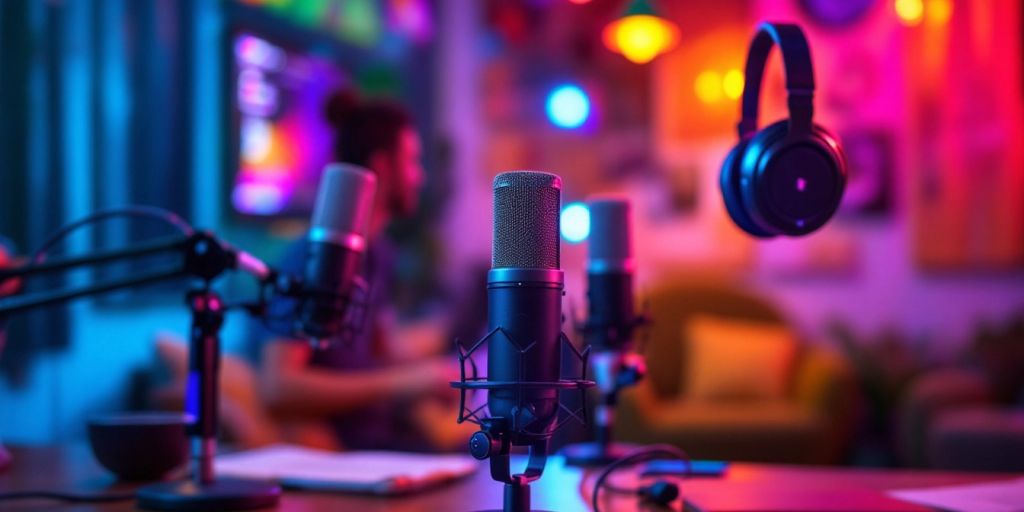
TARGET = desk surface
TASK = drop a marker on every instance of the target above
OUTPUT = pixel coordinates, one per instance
(73, 468)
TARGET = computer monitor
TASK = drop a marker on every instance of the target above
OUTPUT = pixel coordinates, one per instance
(280, 138)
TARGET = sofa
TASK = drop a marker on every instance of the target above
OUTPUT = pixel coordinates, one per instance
(969, 415)
(792, 402)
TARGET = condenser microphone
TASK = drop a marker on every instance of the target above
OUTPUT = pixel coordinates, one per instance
(525, 341)
(524, 301)
(336, 244)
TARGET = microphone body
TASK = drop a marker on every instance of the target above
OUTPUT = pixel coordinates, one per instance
(610, 268)
(524, 292)
(527, 306)
(611, 313)
(336, 245)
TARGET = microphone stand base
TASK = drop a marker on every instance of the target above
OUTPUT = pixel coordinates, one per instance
(219, 495)
(595, 454)
(517, 499)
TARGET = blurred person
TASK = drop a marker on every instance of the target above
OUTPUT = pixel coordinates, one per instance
(389, 387)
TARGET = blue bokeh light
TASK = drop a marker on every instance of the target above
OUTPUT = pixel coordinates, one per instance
(568, 106)
(575, 223)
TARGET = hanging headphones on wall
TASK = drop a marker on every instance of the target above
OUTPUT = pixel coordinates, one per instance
(786, 178)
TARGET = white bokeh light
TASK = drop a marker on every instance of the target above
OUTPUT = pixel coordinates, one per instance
(575, 222)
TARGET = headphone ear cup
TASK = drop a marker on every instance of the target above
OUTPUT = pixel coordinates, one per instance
(831, 144)
(729, 181)
(767, 191)
(745, 182)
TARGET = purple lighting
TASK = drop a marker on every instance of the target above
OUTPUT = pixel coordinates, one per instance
(801, 184)
(259, 198)
(283, 139)
(253, 51)
(257, 96)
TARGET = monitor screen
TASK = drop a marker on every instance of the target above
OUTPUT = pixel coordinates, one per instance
(281, 139)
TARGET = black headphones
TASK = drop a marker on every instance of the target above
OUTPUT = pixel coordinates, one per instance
(788, 178)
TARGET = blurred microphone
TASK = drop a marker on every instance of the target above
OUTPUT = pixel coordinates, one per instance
(611, 315)
(610, 267)
(611, 321)
(524, 292)
(337, 241)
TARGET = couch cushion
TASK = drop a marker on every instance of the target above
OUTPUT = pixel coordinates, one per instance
(729, 359)
(676, 298)
(721, 417)
(760, 431)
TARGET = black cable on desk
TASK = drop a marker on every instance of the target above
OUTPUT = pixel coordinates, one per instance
(71, 497)
(642, 454)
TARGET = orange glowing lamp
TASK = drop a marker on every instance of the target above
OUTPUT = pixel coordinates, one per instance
(640, 34)
(910, 12)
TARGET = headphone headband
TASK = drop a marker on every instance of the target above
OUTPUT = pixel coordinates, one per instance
(796, 59)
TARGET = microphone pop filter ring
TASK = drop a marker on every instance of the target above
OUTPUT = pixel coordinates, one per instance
(464, 384)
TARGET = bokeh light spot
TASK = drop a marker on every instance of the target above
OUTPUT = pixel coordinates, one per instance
(575, 222)
(732, 84)
(910, 12)
(708, 86)
(640, 38)
(568, 106)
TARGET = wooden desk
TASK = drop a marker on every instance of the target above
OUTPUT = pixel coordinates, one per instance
(73, 468)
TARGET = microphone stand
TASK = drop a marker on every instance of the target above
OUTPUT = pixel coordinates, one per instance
(614, 370)
(493, 442)
(205, 258)
(497, 435)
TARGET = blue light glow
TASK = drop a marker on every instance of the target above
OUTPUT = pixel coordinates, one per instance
(575, 223)
(568, 106)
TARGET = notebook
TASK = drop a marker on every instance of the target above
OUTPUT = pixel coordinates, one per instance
(367, 472)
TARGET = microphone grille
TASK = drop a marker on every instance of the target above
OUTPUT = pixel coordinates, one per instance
(526, 214)
(610, 246)
(344, 202)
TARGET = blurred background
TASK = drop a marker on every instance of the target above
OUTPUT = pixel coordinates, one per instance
(213, 109)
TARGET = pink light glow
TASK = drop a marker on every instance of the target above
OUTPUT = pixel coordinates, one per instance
(412, 18)
(259, 198)
(283, 138)
(254, 51)
(256, 96)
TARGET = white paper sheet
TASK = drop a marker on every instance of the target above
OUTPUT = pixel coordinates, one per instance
(369, 471)
(1003, 496)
